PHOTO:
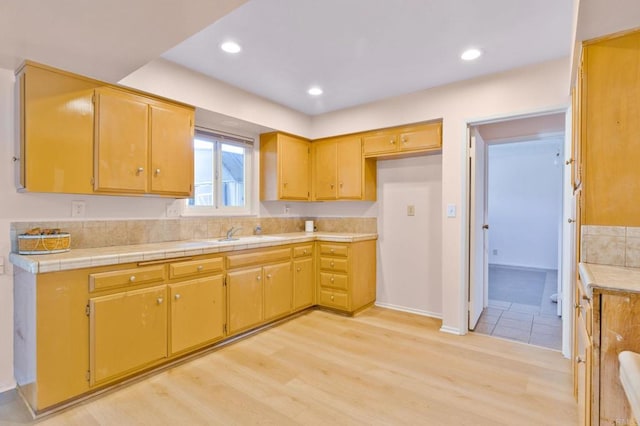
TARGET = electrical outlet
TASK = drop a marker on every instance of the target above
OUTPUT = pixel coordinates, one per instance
(173, 209)
(78, 208)
(411, 210)
(286, 209)
(495, 252)
(451, 210)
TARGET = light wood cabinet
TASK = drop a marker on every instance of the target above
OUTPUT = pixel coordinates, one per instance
(245, 299)
(583, 355)
(56, 131)
(197, 313)
(278, 290)
(347, 275)
(285, 167)
(303, 277)
(340, 172)
(142, 146)
(127, 331)
(610, 130)
(403, 141)
(83, 136)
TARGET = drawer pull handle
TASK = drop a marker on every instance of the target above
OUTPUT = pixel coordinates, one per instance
(160, 300)
(132, 278)
(200, 267)
(177, 296)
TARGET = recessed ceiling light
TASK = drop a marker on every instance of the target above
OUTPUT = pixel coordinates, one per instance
(315, 91)
(230, 47)
(470, 54)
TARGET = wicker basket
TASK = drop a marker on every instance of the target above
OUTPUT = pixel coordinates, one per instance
(44, 244)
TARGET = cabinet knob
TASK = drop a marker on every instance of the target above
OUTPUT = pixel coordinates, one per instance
(579, 360)
(132, 278)
(298, 269)
(157, 172)
(177, 296)
(332, 298)
(331, 185)
(200, 267)
(405, 139)
(140, 170)
(331, 251)
(258, 278)
(268, 276)
(585, 297)
(159, 300)
(332, 263)
(304, 251)
(392, 141)
(340, 184)
(332, 279)
(577, 306)
(284, 184)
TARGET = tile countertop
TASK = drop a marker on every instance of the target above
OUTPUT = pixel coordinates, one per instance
(84, 258)
(606, 278)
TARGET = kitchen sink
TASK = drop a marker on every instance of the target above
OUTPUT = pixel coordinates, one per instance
(244, 240)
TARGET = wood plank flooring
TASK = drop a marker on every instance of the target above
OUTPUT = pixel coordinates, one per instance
(381, 367)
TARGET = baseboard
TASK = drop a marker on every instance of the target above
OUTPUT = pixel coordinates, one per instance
(409, 310)
(5, 387)
(451, 330)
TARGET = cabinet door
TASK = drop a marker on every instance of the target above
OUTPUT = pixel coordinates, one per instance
(171, 150)
(293, 167)
(121, 140)
(56, 130)
(278, 290)
(379, 143)
(423, 137)
(245, 299)
(303, 283)
(325, 173)
(582, 364)
(127, 331)
(350, 168)
(197, 312)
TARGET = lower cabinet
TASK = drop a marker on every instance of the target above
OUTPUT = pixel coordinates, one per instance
(127, 331)
(303, 283)
(278, 290)
(347, 274)
(245, 299)
(197, 313)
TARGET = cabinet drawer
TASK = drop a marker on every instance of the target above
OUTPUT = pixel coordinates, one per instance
(301, 251)
(333, 249)
(267, 256)
(195, 267)
(334, 299)
(338, 281)
(125, 277)
(333, 264)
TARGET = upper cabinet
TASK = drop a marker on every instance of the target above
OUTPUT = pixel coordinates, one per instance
(83, 136)
(403, 141)
(340, 172)
(609, 103)
(142, 146)
(285, 170)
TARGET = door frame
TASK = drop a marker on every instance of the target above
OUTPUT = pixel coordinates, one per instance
(566, 257)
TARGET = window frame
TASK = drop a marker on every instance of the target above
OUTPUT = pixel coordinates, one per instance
(218, 209)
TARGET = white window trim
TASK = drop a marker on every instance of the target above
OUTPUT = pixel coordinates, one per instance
(218, 209)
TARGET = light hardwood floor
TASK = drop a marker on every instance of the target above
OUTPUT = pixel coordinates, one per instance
(380, 367)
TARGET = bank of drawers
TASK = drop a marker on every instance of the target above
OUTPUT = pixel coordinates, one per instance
(334, 275)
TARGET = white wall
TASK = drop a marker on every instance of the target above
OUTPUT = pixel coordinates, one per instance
(536, 88)
(409, 247)
(525, 202)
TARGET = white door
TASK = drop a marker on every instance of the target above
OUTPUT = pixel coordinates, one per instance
(478, 228)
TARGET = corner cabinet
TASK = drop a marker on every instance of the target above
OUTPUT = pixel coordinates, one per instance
(340, 172)
(285, 167)
(83, 136)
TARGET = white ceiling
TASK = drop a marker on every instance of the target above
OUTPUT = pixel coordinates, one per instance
(364, 50)
(358, 50)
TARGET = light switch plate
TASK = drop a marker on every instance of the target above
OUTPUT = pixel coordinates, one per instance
(411, 210)
(451, 210)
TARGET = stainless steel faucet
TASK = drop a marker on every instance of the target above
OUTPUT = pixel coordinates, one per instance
(232, 231)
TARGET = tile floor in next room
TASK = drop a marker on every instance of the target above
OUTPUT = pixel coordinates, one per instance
(520, 306)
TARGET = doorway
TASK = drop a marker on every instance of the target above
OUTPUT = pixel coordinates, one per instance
(516, 198)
